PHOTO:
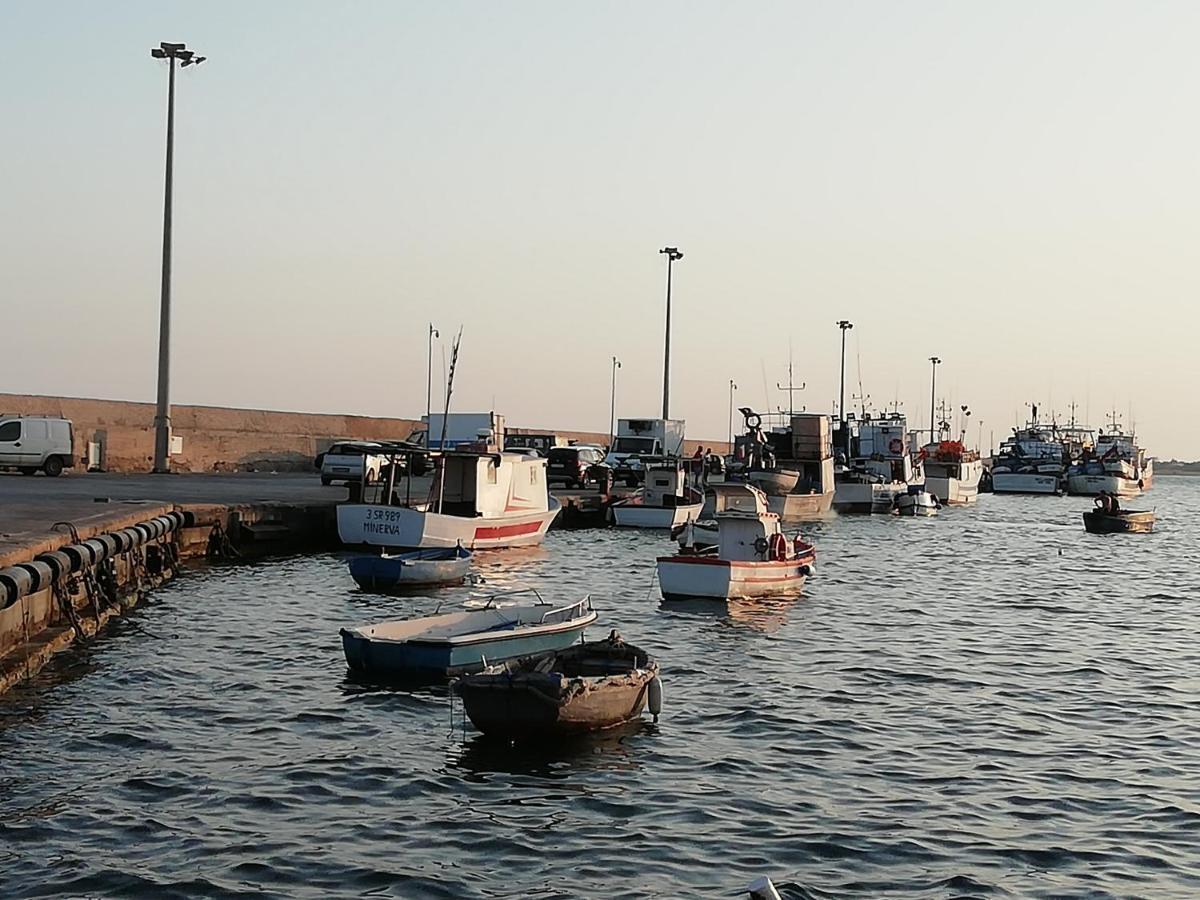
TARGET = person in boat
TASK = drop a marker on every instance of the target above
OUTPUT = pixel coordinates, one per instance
(1114, 505)
(1103, 505)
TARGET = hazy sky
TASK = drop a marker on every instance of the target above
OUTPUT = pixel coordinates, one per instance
(1010, 186)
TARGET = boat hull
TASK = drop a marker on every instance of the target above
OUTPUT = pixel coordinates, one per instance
(773, 481)
(683, 577)
(440, 659)
(1025, 483)
(866, 497)
(404, 527)
(793, 507)
(635, 515)
(589, 687)
(383, 573)
(1091, 485)
(1126, 523)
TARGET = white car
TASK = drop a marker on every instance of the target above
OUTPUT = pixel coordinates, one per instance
(29, 443)
(344, 462)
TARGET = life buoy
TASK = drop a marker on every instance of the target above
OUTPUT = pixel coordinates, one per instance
(896, 445)
(778, 547)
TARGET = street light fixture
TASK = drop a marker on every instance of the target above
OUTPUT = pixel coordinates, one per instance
(672, 254)
(612, 408)
(933, 393)
(162, 417)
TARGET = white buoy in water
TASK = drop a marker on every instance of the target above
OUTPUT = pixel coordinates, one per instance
(654, 697)
(763, 889)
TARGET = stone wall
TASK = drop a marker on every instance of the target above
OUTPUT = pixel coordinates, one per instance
(219, 439)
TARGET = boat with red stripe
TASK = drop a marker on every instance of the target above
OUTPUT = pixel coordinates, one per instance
(481, 499)
(752, 557)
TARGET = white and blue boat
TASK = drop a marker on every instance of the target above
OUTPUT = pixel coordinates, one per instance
(417, 568)
(458, 643)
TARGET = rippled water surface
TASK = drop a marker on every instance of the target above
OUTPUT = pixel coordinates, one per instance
(991, 703)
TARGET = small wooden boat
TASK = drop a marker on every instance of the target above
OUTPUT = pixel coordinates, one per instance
(774, 481)
(455, 643)
(1130, 521)
(587, 687)
(417, 568)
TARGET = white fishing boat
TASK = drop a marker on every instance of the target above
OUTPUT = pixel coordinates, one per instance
(753, 557)
(952, 472)
(481, 499)
(916, 503)
(1032, 461)
(665, 500)
(791, 462)
(1116, 465)
(880, 466)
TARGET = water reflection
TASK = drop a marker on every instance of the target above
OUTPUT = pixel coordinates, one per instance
(766, 615)
(616, 749)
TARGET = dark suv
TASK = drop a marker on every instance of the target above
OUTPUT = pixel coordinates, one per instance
(573, 466)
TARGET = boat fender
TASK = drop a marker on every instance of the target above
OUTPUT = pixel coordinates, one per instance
(896, 445)
(763, 889)
(806, 571)
(778, 547)
(760, 545)
(654, 697)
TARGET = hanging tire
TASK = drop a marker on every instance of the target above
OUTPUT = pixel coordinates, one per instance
(53, 466)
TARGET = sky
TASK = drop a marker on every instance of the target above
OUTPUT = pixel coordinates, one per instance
(1010, 187)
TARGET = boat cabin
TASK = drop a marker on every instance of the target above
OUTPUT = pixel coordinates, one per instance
(745, 523)
(487, 484)
(666, 483)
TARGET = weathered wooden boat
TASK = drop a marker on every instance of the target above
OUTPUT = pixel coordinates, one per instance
(1131, 521)
(456, 643)
(417, 568)
(753, 558)
(587, 687)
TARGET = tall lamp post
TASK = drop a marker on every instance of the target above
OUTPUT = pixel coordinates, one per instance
(673, 254)
(162, 415)
(612, 407)
(433, 333)
(933, 393)
(844, 326)
(732, 387)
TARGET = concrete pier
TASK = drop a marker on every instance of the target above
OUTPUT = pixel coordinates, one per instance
(119, 536)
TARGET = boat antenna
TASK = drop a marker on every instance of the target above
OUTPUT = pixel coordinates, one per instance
(445, 418)
(862, 397)
(791, 389)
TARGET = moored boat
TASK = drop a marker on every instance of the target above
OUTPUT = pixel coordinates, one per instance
(589, 686)
(880, 466)
(952, 472)
(465, 641)
(917, 502)
(792, 463)
(753, 557)
(1124, 521)
(416, 568)
(1032, 461)
(481, 499)
(665, 501)
(1116, 465)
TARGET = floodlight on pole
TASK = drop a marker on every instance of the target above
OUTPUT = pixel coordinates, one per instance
(672, 254)
(162, 416)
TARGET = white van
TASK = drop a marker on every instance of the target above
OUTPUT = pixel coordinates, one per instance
(30, 443)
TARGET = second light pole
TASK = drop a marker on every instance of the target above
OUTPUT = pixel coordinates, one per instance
(433, 332)
(845, 436)
(732, 388)
(932, 394)
(612, 408)
(673, 254)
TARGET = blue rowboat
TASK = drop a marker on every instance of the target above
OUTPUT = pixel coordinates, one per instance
(417, 568)
(457, 643)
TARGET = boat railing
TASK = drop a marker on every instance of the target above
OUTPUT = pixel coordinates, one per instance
(492, 599)
(578, 607)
